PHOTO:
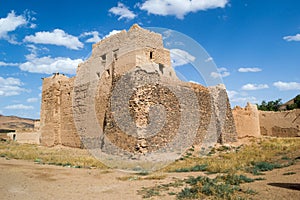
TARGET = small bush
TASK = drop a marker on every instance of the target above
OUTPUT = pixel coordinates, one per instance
(205, 186)
(236, 179)
(147, 193)
(259, 167)
(289, 173)
(196, 168)
(143, 173)
(250, 191)
(285, 158)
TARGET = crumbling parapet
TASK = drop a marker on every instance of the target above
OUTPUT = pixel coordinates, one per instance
(247, 121)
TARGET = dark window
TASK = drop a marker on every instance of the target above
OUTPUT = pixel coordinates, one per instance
(103, 57)
(161, 68)
(115, 54)
(151, 54)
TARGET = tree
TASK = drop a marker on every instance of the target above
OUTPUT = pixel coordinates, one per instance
(270, 106)
(297, 101)
(295, 105)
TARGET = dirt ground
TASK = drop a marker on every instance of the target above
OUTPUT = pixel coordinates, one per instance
(26, 180)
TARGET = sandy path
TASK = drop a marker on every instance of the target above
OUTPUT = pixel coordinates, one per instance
(277, 185)
(26, 180)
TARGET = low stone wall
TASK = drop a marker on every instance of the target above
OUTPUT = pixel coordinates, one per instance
(280, 124)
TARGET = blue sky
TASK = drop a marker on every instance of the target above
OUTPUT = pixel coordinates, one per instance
(254, 43)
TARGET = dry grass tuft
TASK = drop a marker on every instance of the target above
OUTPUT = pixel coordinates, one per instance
(155, 176)
(62, 156)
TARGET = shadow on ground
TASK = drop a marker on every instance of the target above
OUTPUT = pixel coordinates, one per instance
(291, 186)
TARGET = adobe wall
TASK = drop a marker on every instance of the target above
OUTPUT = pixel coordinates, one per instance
(280, 124)
(151, 85)
(247, 121)
(25, 137)
(251, 122)
(36, 125)
(57, 123)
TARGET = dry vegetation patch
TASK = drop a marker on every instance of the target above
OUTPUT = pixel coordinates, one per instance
(225, 159)
(63, 156)
(231, 166)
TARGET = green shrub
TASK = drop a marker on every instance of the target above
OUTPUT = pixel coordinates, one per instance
(259, 167)
(210, 187)
(236, 179)
(196, 168)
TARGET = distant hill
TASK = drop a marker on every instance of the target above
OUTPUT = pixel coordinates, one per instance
(16, 123)
(290, 103)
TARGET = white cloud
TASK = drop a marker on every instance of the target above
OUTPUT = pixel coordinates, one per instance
(249, 69)
(4, 64)
(209, 59)
(180, 8)
(292, 38)
(32, 100)
(251, 86)
(34, 51)
(50, 65)
(191, 81)
(287, 85)
(240, 98)
(10, 86)
(122, 11)
(57, 37)
(242, 101)
(10, 81)
(113, 32)
(222, 72)
(19, 107)
(231, 93)
(180, 57)
(9, 24)
(95, 36)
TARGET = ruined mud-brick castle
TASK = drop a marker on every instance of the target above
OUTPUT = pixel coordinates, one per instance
(116, 91)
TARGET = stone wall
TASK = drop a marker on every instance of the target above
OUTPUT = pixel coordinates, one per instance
(247, 121)
(280, 124)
